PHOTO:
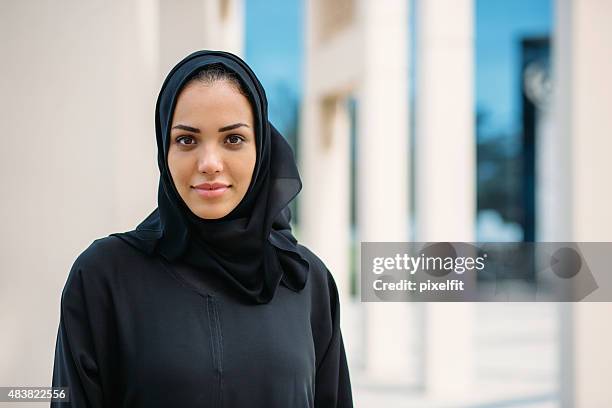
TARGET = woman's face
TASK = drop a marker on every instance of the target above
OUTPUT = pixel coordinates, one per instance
(212, 148)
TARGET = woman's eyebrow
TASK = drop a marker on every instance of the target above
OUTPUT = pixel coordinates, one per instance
(222, 129)
(232, 127)
(187, 128)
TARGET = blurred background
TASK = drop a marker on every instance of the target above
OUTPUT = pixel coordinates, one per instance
(427, 120)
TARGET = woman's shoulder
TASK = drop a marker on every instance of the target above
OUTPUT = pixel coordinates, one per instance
(104, 251)
(100, 266)
(105, 259)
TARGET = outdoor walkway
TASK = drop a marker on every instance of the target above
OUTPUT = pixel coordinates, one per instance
(516, 361)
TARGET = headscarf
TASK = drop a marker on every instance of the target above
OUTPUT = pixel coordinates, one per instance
(252, 248)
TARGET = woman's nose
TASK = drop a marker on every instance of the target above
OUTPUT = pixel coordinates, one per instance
(210, 162)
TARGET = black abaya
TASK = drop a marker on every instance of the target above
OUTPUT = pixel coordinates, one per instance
(137, 331)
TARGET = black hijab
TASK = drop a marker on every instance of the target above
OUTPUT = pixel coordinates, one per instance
(252, 247)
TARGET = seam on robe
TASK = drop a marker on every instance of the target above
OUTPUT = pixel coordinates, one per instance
(220, 339)
(216, 343)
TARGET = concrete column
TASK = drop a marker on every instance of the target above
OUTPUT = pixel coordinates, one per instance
(325, 204)
(334, 166)
(445, 179)
(382, 176)
(582, 66)
(324, 159)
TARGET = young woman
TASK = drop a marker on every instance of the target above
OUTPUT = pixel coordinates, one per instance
(210, 301)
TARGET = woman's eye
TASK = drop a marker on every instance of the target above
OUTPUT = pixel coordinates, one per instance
(185, 140)
(235, 139)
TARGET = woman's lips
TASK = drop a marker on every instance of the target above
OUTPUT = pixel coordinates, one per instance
(216, 191)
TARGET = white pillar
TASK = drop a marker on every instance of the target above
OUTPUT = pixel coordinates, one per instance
(445, 175)
(324, 158)
(325, 204)
(582, 103)
(335, 167)
(382, 176)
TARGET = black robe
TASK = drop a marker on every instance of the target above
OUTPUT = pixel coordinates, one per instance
(139, 331)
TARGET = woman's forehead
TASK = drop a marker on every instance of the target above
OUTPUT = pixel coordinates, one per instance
(218, 101)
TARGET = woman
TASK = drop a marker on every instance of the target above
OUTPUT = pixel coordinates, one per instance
(210, 301)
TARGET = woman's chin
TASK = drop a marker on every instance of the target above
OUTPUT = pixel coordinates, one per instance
(212, 213)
